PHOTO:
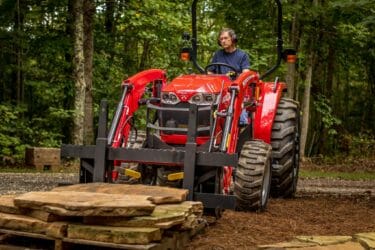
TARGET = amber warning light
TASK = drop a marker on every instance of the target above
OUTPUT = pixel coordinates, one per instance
(290, 55)
(185, 54)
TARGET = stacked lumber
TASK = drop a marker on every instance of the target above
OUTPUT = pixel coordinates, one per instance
(102, 214)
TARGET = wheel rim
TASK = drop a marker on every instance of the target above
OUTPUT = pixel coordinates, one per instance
(266, 183)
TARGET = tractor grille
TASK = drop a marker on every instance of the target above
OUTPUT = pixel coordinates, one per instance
(180, 119)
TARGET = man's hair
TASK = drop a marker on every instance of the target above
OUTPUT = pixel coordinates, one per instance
(231, 33)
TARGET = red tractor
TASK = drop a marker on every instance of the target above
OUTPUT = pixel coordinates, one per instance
(194, 139)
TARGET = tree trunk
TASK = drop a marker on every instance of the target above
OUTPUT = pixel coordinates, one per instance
(79, 74)
(19, 29)
(330, 69)
(294, 40)
(146, 48)
(88, 46)
(109, 16)
(306, 107)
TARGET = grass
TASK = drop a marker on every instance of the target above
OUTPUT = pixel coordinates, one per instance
(33, 170)
(354, 176)
(17, 170)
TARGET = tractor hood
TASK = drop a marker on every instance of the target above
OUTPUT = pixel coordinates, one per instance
(186, 86)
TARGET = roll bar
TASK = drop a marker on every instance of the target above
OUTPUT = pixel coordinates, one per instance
(279, 41)
(194, 38)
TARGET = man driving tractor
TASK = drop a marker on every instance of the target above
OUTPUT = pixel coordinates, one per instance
(229, 54)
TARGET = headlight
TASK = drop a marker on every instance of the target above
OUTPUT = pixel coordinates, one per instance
(169, 98)
(202, 99)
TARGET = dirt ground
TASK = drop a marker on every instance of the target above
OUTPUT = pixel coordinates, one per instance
(316, 214)
(285, 219)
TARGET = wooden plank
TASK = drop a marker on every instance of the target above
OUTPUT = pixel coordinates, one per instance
(25, 234)
(118, 235)
(57, 229)
(59, 243)
(158, 195)
(149, 246)
(67, 203)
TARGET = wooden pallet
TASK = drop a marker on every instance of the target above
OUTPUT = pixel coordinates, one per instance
(172, 240)
(103, 216)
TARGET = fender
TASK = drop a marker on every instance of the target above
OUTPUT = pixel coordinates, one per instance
(243, 82)
(266, 111)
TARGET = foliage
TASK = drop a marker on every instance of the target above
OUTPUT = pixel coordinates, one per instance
(329, 121)
(36, 51)
(15, 130)
(10, 132)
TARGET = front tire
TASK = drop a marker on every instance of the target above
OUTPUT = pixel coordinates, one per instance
(285, 149)
(136, 140)
(253, 176)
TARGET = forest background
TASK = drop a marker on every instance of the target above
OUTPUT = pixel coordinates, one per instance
(59, 58)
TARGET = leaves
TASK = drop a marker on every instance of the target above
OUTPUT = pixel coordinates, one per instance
(147, 34)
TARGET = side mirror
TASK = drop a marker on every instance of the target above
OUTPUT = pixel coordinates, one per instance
(186, 36)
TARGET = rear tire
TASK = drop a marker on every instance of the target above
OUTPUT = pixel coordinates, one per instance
(285, 149)
(253, 176)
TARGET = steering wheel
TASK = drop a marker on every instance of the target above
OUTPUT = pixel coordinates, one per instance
(219, 65)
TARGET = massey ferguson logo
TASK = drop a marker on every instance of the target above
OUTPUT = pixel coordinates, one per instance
(184, 96)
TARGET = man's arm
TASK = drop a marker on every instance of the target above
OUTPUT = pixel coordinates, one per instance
(245, 63)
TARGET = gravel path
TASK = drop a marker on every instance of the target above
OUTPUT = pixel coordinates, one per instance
(330, 187)
(16, 183)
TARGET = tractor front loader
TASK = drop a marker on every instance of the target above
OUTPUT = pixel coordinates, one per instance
(194, 139)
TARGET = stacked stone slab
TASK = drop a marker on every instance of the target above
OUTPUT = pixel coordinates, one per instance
(102, 214)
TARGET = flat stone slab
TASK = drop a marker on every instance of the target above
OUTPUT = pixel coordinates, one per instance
(325, 240)
(370, 235)
(48, 217)
(7, 205)
(119, 235)
(287, 245)
(68, 203)
(28, 224)
(163, 216)
(157, 194)
(299, 245)
(366, 239)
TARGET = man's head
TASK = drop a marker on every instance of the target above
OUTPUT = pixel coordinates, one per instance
(227, 39)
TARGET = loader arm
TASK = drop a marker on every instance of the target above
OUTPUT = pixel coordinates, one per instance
(133, 90)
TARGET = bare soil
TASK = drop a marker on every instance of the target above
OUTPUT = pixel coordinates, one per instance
(321, 207)
(285, 219)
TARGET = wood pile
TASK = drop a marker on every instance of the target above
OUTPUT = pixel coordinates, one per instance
(101, 214)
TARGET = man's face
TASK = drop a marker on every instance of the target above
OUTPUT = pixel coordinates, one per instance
(225, 40)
